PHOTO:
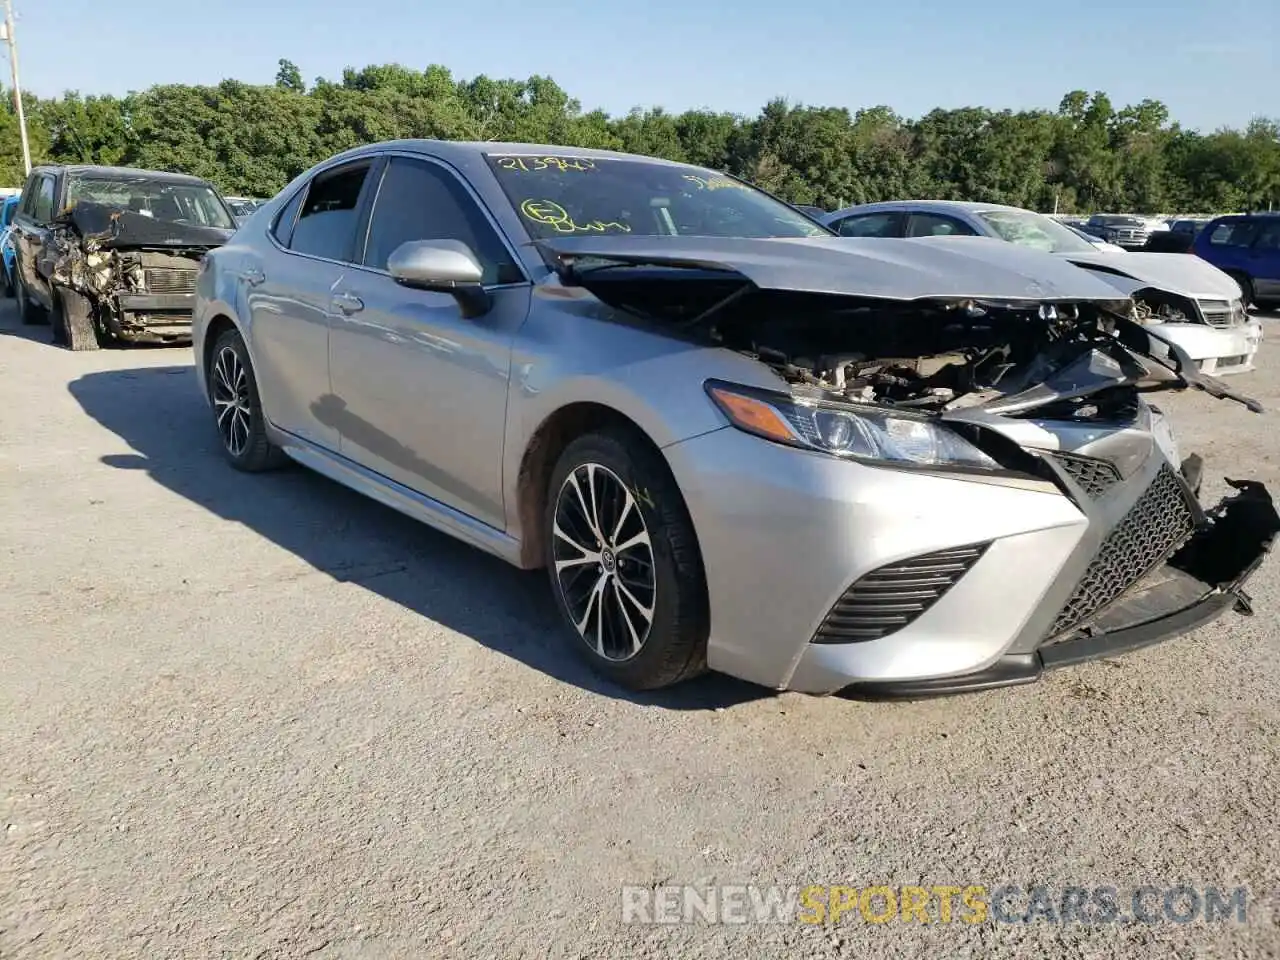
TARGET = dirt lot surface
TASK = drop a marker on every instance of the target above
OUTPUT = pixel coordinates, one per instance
(262, 717)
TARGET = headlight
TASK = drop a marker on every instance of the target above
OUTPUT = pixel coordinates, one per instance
(845, 430)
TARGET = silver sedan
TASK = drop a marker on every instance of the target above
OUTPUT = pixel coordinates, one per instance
(733, 439)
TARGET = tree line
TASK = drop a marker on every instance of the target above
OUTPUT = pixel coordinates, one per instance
(1086, 156)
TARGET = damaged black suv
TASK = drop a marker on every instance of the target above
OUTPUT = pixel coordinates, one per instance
(112, 253)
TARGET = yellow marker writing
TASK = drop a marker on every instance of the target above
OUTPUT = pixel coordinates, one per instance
(534, 164)
(556, 217)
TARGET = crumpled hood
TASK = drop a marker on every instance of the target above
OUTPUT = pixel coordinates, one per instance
(950, 268)
(115, 228)
(1180, 273)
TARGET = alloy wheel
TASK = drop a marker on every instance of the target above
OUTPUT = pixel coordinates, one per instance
(231, 401)
(604, 562)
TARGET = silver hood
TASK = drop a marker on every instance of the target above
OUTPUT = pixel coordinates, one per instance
(1184, 274)
(933, 268)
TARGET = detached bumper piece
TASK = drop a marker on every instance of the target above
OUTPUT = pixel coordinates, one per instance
(1201, 581)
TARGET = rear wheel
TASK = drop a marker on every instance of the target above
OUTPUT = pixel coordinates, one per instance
(624, 562)
(237, 409)
(72, 321)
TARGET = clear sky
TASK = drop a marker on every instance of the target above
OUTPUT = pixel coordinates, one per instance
(1213, 63)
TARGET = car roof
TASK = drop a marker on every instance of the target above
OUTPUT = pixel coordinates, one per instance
(456, 151)
(121, 173)
(936, 206)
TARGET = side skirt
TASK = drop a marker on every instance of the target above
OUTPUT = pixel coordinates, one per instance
(398, 497)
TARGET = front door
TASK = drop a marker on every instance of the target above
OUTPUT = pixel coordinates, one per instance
(420, 391)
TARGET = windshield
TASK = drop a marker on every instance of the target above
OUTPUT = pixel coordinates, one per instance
(566, 195)
(192, 203)
(1034, 230)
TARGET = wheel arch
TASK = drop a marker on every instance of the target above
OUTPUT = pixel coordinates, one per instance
(539, 459)
(218, 325)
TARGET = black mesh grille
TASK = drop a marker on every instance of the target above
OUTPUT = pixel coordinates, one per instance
(169, 280)
(1095, 476)
(889, 598)
(1154, 528)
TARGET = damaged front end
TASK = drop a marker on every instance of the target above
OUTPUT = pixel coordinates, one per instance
(1013, 379)
(137, 273)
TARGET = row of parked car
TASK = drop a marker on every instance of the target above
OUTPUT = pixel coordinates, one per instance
(669, 389)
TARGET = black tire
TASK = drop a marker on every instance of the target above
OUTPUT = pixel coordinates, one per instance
(1246, 289)
(674, 645)
(72, 321)
(30, 313)
(237, 409)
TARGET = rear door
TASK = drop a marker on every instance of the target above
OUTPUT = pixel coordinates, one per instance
(290, 295)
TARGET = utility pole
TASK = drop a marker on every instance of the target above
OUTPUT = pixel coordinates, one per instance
(17, 89)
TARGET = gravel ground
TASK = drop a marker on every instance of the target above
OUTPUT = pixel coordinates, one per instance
(262, 717)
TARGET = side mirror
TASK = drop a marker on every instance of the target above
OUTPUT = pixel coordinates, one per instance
(447, 266)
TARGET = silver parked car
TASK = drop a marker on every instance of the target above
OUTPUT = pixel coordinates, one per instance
(732, 438)
(1183, 299)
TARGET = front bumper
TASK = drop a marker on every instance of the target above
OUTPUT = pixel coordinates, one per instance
(1218, 351)
(1198, 584)
(785, 533)
(162, 318)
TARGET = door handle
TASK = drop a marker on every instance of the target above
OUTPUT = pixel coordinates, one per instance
(347, 303)
(252, 276)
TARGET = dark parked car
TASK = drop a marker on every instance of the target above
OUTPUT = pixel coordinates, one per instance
(112, 253)
(1246, 246)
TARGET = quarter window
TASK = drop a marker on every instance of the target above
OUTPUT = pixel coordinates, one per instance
(283, 228)
(422, 201)
(326, 225)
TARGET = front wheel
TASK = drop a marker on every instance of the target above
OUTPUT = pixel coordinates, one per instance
(72, 321)
(624, 562)
(237, 409)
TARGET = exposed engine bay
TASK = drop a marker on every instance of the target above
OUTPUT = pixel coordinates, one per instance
(1070, 360)
(931, 356)
(137, 273)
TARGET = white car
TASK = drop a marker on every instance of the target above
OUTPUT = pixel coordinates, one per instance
(1182, 298)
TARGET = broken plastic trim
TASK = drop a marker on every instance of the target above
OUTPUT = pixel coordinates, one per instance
(1173, 358)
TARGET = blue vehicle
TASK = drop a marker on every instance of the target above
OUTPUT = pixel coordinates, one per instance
(7, 211)
(1246, 246)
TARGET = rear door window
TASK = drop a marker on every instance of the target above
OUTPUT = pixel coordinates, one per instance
(326, 225)
(938, 225)
(1269, 239)
(871, 225)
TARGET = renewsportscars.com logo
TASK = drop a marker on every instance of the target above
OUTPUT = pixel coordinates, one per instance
(939, 903)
